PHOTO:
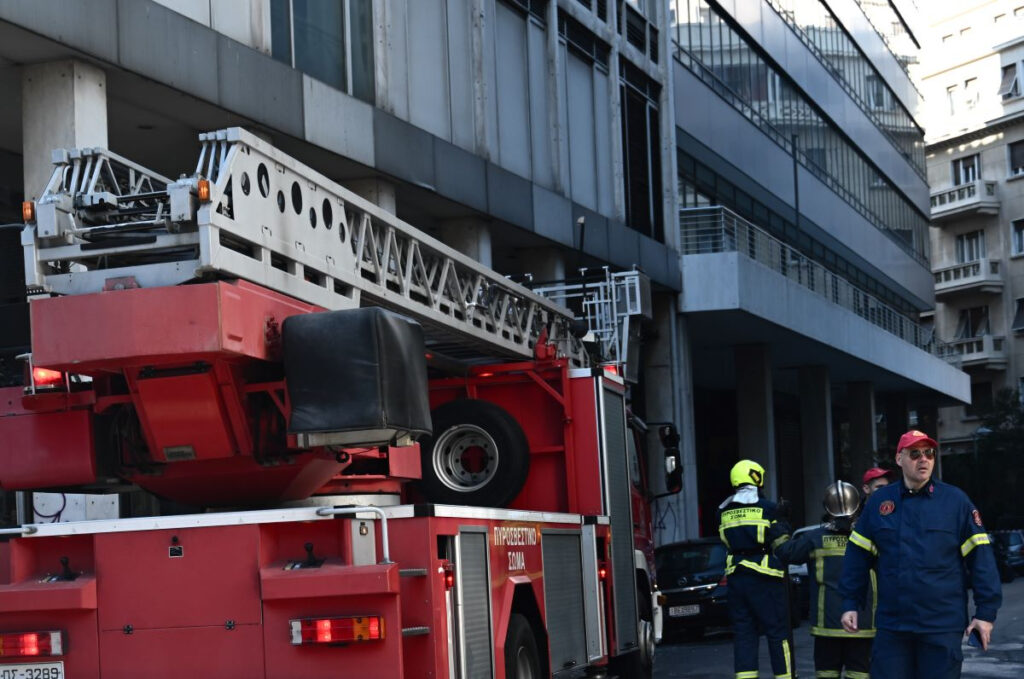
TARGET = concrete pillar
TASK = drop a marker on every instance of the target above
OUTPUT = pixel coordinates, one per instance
(471, 237)
(816, 434)
(897, 419)
(64, 105)
(863, 436)
(544, 264)
(755, 411)
(378, 191)
(668, 382)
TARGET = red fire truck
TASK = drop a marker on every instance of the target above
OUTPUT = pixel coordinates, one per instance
(398, 463)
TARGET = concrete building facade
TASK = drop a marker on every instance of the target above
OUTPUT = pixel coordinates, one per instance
(760, 160)
(971, 71)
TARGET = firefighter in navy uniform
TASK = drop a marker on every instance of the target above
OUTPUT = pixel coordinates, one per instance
(748, 525)
(823, 549)
(928, 544)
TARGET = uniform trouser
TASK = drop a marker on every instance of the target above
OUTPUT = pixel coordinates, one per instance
(832, 654)
(913, 655)
(758, 604)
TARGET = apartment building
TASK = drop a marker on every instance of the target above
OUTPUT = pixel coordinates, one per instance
(761, 160)
(971, 72)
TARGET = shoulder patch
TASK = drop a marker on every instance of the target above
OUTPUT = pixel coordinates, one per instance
(887, 508)
(977, 518)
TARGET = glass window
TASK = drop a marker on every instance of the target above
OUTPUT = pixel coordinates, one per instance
(310, 36)
(1018, 236)
(951, 99)
(1018, 317)
(1008, 86)
(981, 399)
(971, 92)
(970, 247)
(973, 322)
(1016, 158)
(965, 170)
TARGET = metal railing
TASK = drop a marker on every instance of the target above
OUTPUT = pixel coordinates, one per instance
(718, 229)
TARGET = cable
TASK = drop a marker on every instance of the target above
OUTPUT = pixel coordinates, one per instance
(56, 516)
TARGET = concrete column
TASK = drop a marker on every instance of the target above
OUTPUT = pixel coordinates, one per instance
(816, 434)
(378, 191)
(471, 237)
(668, 381)
(64, 105)
(896, 419)
(755, 411)
(544, 264)
(863, 436)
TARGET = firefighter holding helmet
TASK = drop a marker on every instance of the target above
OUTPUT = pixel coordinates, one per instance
(822, 549)
(750, 528)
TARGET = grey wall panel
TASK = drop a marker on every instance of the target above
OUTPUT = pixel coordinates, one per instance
(562, 180)
(623, 244)
(338, 122)
(396, 68)
(403, 150)
(654, 259)
(83, 24)
(594, 233)
(490, 71)
(428, 70)
(460, 175)
(163, 45)
(704, 115)
(552, 216)
(604, 128)
(276, 102)
(887, 259)
(460, 75)
(540, 120)
(509, 197)
(512, 90)
(582, 157)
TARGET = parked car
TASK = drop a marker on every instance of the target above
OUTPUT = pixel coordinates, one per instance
(1009, 548)
(691, 575)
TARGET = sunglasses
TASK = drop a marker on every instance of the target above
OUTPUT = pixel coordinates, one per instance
(916, 453)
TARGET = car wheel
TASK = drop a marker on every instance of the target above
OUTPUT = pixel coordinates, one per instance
(522, 658)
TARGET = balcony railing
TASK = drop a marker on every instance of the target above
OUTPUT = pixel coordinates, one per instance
(981, 275)
(985, 350)
(718, 229)
(977, 197)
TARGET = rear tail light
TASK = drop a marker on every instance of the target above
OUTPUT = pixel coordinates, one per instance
(337, 630)
(44, 377)
(723, 582)
(31, 644)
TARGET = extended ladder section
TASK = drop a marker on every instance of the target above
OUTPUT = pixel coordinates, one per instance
(251, 212)
(613, 305)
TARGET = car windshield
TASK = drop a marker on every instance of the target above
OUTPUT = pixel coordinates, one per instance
(691, 559)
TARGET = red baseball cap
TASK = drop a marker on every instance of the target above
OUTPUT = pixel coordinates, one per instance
(914, 436)
(874, 473)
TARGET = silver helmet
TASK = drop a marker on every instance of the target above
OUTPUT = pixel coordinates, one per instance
(842, 499)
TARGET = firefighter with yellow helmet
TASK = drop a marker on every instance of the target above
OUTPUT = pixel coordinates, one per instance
(758, 603)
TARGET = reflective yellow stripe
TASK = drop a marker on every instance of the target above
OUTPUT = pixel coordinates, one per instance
(760, 533)
(746, 675)
(827, 552)
(830, 632)
(862, 542)
(874, 597)
(819, 574)
(789, 664)
(828, 674)
(972, 542)
(759, 567)
(850, 674)
(780, 540)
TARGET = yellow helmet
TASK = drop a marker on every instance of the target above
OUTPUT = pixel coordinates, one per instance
(746, 471)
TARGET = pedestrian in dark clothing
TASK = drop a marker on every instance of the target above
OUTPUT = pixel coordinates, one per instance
(927, 542)
(758, 602)
(822, 548)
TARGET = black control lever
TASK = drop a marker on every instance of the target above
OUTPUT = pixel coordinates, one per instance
(66, 574)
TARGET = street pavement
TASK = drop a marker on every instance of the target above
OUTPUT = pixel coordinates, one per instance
(711, 658)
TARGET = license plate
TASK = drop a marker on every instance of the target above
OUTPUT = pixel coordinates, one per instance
(675, 611)
(43, 670)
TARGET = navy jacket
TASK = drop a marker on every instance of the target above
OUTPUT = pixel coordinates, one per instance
(750, 531)
(822, 549)
(928, 546)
